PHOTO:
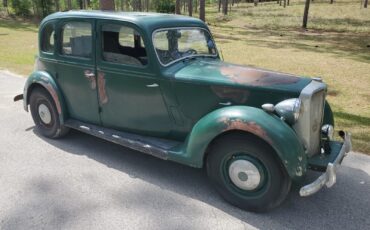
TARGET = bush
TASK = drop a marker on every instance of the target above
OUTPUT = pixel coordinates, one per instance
(21, 7)
(165, 6)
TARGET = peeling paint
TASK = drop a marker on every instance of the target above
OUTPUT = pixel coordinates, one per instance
(54, 95)
(103, 97)
(248, 126)
(256, 77)
(236, 95)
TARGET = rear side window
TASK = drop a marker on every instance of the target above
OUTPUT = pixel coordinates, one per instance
(77, 39)
(123, 45)
(47, 39)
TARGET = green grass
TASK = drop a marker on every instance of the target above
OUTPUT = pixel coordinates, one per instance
(18, 46)
(336, 47)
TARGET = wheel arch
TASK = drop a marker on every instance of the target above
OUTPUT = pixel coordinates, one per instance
(247, 120)
(244, 134)
(46, 81)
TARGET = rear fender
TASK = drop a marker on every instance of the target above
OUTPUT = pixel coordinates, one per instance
(45, 80)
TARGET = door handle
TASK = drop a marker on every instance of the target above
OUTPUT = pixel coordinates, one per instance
(225, 103)
(89, 74)
(152, 85)
(91, 78)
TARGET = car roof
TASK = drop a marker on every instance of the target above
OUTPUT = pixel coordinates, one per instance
(148, 21)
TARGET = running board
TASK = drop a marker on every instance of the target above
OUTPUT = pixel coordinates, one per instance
(157, 147)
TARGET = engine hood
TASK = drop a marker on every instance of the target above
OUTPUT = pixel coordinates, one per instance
(217, 72)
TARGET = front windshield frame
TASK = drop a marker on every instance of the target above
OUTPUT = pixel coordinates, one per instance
(189, 56)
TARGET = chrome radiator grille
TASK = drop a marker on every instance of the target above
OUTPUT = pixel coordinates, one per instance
(308, 126)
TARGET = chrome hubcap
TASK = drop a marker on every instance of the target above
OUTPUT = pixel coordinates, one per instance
(44, 114)
(244, 174)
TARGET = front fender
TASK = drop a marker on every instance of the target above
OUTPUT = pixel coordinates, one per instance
(268, 127)
(44, 79)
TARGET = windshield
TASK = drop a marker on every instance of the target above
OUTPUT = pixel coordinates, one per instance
(178, 43)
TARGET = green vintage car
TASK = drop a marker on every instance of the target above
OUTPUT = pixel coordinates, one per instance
(156, 83)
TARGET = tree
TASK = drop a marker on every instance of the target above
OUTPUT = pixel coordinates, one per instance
(190, 7)
(202, 10)
(305, 14)
(57, 5)
(225, 4)
(69, 4)
(178, 7)
(365, 3)
(106, 4)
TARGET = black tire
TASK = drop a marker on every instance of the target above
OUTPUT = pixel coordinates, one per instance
(53, 129)
(274, 184)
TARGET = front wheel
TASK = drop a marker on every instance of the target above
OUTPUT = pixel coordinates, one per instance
(45, 114)
(246, 172)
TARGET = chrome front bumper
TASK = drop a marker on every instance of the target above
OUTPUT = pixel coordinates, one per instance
(329, 177)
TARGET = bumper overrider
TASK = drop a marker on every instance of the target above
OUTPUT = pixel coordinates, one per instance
(329, 177)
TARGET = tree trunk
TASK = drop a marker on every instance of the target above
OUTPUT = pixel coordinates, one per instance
(57, 6)
(225, 6)
(178, 7)
(219, 5)
(106, 4)
(331, 1)
(69, 4)
(365, 3)
(202, 10)
(284, 3)
(288, 2)
(196, 6)
(190, 7)
(305, 14)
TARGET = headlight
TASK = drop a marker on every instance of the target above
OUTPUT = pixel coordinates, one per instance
(289, 110)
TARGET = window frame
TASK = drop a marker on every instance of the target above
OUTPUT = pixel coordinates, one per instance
(100, 42)
(53, 24)
(183, 27)
(61, 25)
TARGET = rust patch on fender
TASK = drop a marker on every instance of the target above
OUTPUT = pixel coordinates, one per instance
(54, 95)
(248, 126)
(236, 95)
(103, 97)
(256, 77)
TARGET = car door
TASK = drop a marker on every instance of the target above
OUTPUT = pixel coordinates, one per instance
(129, 90)
(76, 69)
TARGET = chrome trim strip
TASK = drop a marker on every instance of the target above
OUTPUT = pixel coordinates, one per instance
(329, 177)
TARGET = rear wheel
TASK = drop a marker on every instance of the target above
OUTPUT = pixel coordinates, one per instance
(246, 172)
(45, 114)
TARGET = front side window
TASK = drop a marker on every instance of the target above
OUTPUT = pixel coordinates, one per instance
(47, 39)
(123, 45)
(178, 43)
(77, 39)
